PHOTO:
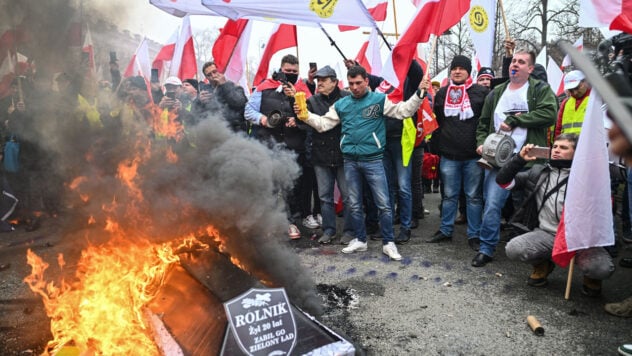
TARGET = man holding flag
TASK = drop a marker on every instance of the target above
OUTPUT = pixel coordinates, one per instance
(545, 188)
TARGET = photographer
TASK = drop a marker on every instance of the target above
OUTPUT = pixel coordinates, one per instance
(545, 188)
(269, 109)
(222, 97)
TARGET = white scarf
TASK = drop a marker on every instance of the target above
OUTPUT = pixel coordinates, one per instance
(457, 102)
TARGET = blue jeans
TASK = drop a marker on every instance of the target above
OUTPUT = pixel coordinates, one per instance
(399, 183)
(470, 175)
(495, 198)
(326, 177)
(373, 172)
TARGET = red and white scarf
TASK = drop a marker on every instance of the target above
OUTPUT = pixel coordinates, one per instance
(457, 102)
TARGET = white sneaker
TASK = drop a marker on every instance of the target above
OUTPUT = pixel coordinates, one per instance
(294, 232)
(390, 250)
(355, 245)
(319, 219)
(310, 223)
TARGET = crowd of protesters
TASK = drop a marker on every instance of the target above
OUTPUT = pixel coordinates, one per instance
(349, 150)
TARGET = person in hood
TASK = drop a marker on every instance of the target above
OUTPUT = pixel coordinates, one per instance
(545, 186)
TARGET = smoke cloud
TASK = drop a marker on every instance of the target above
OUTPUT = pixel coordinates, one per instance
(220, 178)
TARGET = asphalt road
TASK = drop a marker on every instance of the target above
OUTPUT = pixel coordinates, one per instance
(434, 302)
(430, 303)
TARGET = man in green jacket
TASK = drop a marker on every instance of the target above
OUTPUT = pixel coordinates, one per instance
(524, 108)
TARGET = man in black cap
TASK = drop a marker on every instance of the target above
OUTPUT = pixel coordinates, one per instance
(458, 107)
(327, 157)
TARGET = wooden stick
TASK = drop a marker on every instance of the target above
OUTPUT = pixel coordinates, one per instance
(395, 21)
(429, 62)
(502, 12)
(569, 279)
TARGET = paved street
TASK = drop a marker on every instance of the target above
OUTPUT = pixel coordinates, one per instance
(434, 303)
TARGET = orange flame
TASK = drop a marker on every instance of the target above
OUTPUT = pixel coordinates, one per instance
(101, 310)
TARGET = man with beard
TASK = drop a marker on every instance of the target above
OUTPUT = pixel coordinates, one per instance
(269, 110)
(545, 187)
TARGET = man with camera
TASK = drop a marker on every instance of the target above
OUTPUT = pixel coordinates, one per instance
(545, 188)
(222, 97)
(524, 108)
(269, 110)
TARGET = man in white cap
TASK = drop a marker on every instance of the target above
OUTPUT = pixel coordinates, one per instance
(570, 117)
(173, 90)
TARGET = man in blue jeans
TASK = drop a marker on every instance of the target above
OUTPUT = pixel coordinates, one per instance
(362, 143)
(524, 108)
(458, 107)
(327, 158)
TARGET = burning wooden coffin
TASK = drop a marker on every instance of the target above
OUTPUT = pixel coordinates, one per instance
(191, 307)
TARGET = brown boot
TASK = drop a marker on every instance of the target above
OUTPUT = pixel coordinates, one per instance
(591, 287)
(622, 309)
(539, 274)
(461, 220)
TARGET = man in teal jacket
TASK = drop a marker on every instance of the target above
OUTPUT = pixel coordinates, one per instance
(362, 117)
(524, 108)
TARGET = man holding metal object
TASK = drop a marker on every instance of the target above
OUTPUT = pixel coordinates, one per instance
(523, 108)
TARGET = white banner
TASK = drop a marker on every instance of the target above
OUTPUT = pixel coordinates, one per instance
(481, 19)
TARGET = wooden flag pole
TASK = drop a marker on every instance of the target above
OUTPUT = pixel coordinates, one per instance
(502, 12)
(395, 21)
(429, 62)
(569, 279)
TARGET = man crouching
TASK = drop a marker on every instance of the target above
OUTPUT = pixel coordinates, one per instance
(545, 189)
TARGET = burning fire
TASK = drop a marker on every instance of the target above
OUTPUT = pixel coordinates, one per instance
(100, 310)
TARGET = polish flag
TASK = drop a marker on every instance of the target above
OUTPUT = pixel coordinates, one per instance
(377, 9)
(369, 55)
(587, 216)
(165, 54)
(426, 121)
(225, 43)
(88, 48)
(432, 17)
(235, 67)
(283, 36)
(555, 77)
(183, 64)
(613, 14)
(579, 44)
(139, 63)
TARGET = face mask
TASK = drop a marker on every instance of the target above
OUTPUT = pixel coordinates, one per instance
(291, 77)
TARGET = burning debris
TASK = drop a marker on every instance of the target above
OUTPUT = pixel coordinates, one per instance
(139, 185)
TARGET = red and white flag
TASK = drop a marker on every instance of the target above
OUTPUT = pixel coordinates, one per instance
(283, 36)
(369, 55)
(579, 44)
(226, 42)
(587, 217)
(613, 14)
(555, 76)
(236, 66)
(183, 63)
(377, 9)
(164, 56)
(482, 17)
(88, 48)
(181, 8)
(432, 17)
(139, 63)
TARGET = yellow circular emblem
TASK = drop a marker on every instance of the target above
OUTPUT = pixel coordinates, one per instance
(478, 19)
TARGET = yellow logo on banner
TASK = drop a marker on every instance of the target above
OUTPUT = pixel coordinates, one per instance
(323, 8)
(478, 19)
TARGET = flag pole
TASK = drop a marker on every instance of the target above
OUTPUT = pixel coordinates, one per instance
(395, 22)
(569, 279)
(331, 41)
(429, 62)
(502, 12)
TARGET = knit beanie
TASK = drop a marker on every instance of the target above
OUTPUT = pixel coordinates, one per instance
(463, 62)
